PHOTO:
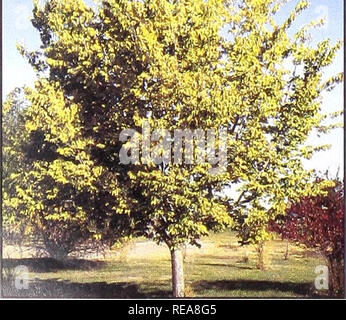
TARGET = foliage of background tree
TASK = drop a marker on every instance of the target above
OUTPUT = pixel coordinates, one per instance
(281, 106)
(318, 222)
(38, 210)
(279, 82)
(13, 124)
(107, 69)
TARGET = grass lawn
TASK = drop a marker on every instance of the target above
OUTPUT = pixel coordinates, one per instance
(143, 270)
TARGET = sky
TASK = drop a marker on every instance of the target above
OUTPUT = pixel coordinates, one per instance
(16, 71)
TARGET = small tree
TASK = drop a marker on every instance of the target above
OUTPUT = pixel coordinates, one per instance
(255, 235)
(318, 222)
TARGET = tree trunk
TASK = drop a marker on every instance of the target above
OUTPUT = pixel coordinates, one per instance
(184, 252)
(287, 253)
(177, 273)
(260, 250)
(336, 276)
(246, 256)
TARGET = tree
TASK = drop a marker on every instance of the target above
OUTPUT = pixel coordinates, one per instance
(36, 207)
(13, 125)
(318, 222)
(130, 65)
(171, 204)
(277, 86)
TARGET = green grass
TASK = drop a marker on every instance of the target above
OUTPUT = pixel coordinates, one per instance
(217, 270)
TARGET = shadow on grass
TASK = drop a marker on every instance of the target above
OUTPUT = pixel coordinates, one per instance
(57, 288)
(41, 265)
(229, 246)
(302, 289)
(226, 265)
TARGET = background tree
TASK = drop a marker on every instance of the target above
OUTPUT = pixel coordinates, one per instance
(42, 205)
(318, 222)
(113, 68)
(276, 82)
(13, 125)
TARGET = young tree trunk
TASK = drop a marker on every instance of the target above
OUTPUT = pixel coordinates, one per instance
(177, 273)
(260, 250)
(246, 256)
(287, 252)
(184, 252)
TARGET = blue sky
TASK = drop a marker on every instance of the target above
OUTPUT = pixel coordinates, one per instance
(16, 71)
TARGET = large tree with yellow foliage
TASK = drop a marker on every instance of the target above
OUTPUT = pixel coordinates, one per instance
(183, 64)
